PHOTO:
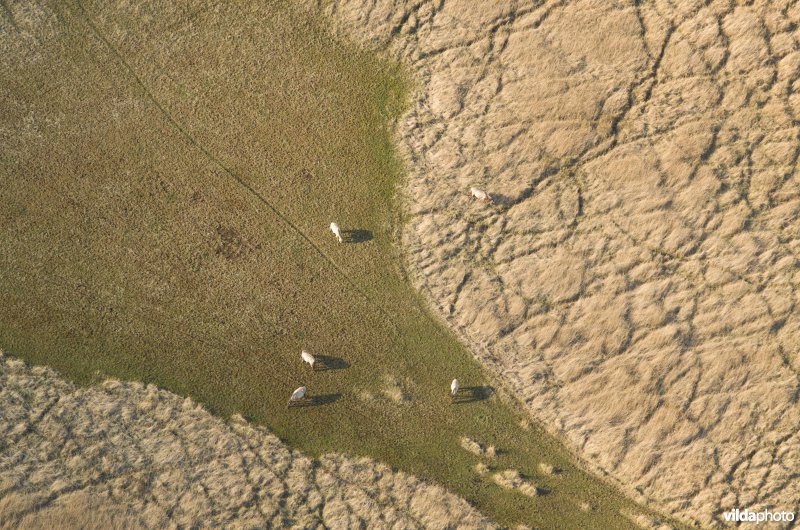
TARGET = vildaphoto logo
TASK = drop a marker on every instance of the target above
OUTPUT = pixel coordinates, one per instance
(764, 516)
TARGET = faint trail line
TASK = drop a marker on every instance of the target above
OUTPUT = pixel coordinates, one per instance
(396, 434)
(7, 11)
(227, 170)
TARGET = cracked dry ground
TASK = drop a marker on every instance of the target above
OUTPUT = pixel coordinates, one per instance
(114, 456)
(636, 281)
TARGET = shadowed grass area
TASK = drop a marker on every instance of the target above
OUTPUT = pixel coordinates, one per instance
(166, 199)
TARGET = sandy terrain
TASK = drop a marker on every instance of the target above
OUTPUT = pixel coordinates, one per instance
(126, 455)
(635, 282)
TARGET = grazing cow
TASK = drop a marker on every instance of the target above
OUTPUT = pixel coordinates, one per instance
(308, 358)
(337, 232)
(480, 195)
(454, 388)
(298, 396)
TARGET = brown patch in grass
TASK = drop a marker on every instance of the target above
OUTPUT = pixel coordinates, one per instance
(513, 479)
(473, 446)
(477, 448)
(482, 469)
(549, 469)
(395, 391)
(230, 244)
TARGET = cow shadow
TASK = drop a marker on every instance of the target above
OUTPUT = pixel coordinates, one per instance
(324, 363)
(315, 401)
(470, 394)
(502, 200)
(324, 399)
(358, 235)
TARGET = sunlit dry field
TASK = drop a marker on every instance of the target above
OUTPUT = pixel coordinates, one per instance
(168, 172)
(636, 280)
(122, 455)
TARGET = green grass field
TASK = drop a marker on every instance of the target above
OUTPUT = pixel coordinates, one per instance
(167, 176)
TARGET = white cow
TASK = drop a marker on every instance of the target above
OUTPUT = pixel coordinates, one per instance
(337, 232)
(298, 395)
(308, 358)
(454, 388)
(480, 194)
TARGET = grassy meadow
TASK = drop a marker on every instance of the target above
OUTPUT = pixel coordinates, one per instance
(168, 172)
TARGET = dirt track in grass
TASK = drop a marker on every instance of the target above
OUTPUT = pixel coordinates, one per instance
(636, 280)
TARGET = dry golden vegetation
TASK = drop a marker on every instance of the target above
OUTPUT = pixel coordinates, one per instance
(168, 173)
(126, 455)
(513, 480)
(636, 281)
